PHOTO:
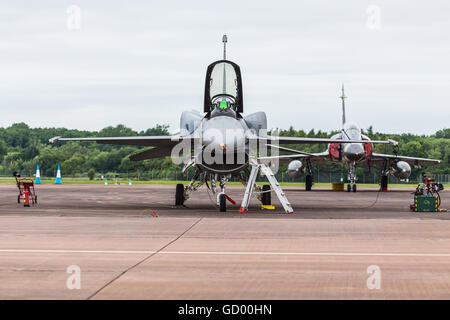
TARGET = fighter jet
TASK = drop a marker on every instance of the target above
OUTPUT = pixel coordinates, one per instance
(219, 144)
(352, 154)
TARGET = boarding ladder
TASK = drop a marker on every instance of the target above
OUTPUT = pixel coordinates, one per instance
(265, 169)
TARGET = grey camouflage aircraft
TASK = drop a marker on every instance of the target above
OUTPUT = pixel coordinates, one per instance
(354, 153)
(218, 143)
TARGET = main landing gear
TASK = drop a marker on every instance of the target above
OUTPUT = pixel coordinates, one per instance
(308, 182)
(179, 195)
(263, 193)
(182, 192)
(384, 177)
(265, 196)
(384, 183)
(309, 176)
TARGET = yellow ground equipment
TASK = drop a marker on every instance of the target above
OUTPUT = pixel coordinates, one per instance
(337, 186)
(426, 196)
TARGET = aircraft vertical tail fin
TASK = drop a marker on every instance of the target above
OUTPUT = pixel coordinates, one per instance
(343, 97)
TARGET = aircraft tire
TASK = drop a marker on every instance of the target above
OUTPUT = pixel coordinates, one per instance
(308, 182)
(266, 196)
(179, 195)
(384, 181)
(354, 188)
(349, 187)
(222, 203)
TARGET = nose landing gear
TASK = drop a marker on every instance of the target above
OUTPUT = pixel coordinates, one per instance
(352, 179)
(222, 202)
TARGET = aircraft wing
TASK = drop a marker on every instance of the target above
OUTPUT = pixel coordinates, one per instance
(321, 157)
(162, 145)
(151, 141)
(412, 160)
(317, 158)
(297, 154)
(170, 141)
(304, 140)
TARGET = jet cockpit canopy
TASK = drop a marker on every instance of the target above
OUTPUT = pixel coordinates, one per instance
(352, 131)
(223, 87)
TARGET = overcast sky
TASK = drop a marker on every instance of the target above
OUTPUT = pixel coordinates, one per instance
(141, 63)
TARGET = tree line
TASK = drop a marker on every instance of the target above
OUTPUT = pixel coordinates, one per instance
(22, 148)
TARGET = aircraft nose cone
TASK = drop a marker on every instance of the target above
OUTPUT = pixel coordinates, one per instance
(354, 151)
(224, 133)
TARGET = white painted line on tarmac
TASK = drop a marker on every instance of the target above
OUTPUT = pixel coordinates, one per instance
(75, 251)
(272, 253)
(311, 253)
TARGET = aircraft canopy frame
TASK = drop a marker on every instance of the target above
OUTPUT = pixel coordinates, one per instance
(228, 78)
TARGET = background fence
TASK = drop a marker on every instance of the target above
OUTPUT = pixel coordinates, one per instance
(319, 177)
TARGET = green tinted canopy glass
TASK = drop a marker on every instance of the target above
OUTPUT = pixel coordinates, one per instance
(223, 105)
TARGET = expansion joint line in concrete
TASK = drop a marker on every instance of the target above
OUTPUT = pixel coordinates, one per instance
(145, 259)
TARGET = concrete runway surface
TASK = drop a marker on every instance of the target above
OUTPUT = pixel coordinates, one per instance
(130, 243)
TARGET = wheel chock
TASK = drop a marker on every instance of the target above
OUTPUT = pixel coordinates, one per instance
(267, 207)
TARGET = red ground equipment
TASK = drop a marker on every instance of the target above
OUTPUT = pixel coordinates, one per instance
(26, 190)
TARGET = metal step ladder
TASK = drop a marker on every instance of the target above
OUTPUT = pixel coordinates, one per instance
(273, 182)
